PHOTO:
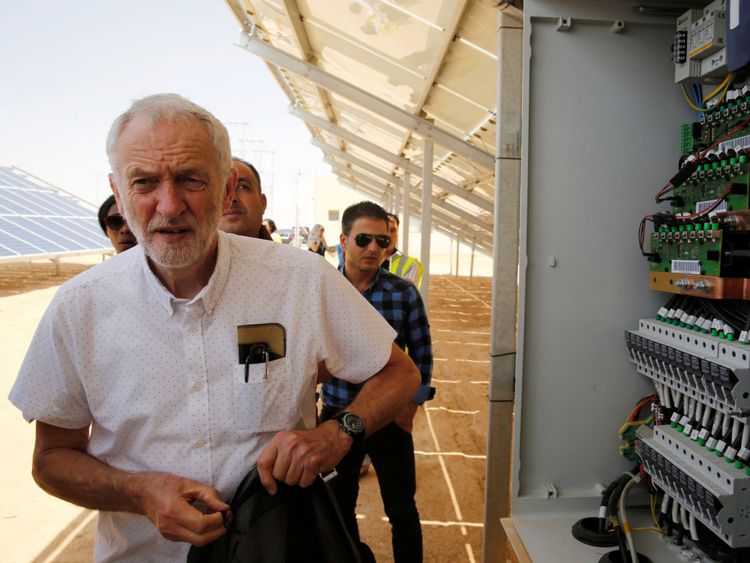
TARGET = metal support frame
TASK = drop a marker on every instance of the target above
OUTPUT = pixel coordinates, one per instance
(444, 211)
(503, 344)
(396, 160)
(392, 180)
(439, 225)
(458, 251)
(253, 43)
(405, 207)
(426, 230)
(473, 251)
(446, 221)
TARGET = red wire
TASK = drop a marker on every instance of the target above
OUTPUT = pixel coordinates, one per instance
(667, 187)
(640, 405)
(708, 209)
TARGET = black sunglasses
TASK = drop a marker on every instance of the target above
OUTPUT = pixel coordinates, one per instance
(114, 222)
(363, 240)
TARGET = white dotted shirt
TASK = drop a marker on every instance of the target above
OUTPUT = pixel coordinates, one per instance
(159, 378)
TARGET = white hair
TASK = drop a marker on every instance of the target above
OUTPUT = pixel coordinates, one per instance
(173, 107)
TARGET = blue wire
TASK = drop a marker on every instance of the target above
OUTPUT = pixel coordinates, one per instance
(698, 92)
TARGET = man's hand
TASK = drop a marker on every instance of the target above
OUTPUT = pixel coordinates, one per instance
(405, 417)
(167, 500)
(297, 456)
(63, 468)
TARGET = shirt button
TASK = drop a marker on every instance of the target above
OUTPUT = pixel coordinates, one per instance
(200, 443)
(197, 386)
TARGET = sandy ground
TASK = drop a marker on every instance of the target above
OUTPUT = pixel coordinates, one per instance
(449, 434)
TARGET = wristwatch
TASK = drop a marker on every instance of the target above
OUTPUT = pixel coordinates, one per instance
(352, 425)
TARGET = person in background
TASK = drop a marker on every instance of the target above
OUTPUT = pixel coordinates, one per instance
(396, 261)
(365, 238)
(316, 241)
(270, 227)
(114, 226)
(142, 409)
(245, 215)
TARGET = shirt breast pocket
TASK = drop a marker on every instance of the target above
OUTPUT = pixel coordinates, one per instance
(267, 402)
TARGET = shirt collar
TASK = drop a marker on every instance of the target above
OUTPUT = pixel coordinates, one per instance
(375, 281)
(208, 297)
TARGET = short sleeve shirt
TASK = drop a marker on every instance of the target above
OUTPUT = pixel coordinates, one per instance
(159, 378)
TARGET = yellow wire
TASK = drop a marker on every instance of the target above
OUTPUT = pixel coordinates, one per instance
(724, 85)
(653, 513)
(689, 101)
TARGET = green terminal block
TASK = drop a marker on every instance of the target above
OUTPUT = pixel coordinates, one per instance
(702, 442)
(686, 137)
(738, 464)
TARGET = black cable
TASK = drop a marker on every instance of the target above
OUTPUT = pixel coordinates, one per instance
(586, 531)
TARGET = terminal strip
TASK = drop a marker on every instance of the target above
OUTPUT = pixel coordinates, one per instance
(712, 371)
(717, 493)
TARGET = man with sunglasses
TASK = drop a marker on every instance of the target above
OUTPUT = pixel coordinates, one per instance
(114, 226)
(143, 410)
(365, 239)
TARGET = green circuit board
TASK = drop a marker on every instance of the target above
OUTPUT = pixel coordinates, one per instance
(688, 252)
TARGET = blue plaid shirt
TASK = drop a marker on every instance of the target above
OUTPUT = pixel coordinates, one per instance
(401, 305)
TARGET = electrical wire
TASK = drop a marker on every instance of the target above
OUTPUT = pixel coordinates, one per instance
(624, 518)
(724, 86)
(722, 89)
(652, 502)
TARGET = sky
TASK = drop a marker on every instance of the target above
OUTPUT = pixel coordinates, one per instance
(67, 69)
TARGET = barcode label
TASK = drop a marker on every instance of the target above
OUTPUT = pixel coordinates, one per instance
(701, 205)
(686, 266)
(736, 144)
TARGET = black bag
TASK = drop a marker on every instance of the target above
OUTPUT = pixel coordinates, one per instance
(296, 525)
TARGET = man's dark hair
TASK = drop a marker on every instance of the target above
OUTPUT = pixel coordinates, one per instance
(104, 211)
(368, 209)
(252, 169)
(395, 218)
(271, 225)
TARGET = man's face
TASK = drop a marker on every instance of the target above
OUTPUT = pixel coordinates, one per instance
(121, 238)
(366, 259)
(170, 188)
(393, 233)
(245, 216)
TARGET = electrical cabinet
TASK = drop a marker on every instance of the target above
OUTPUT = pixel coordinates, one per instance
(625, 103)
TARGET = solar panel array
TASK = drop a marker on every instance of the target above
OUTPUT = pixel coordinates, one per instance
(38, 220)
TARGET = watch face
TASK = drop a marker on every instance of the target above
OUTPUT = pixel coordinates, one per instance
(354, 423)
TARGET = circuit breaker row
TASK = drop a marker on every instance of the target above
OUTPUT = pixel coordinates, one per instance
(699, 369)
(679, 484)
(716, 492)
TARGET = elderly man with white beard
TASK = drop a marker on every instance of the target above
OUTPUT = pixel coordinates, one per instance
(142, 410)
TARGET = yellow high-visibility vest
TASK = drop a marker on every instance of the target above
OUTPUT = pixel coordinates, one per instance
(408, 268)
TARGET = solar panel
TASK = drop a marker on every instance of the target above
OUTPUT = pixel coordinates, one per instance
(38, 220)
